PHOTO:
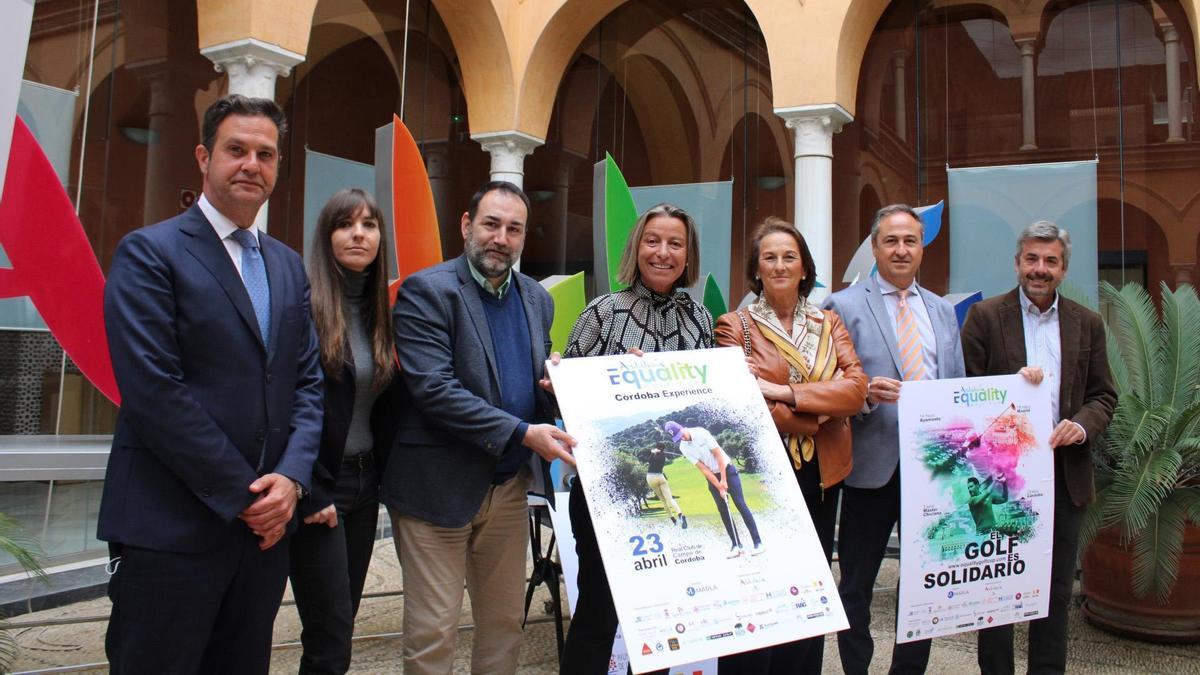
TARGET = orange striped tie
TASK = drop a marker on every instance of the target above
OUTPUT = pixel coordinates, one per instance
(912, 361)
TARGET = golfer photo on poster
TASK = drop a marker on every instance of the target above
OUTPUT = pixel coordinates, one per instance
(704, 533)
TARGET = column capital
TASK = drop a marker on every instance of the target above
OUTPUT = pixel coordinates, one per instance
(252, 65)
(1169, 34)
(1027, 45)
(508, 149)
(814, 126)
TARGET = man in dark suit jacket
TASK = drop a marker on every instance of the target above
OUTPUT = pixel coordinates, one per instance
(872, 313)
(472, 335)
(216, 358)
(1034, 331)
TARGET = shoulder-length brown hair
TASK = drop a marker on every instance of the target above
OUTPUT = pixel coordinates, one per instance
(774, 225)
(325, 277)
(628, 272)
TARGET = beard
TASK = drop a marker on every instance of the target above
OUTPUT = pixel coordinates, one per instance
(1026, 283)
(488, 266)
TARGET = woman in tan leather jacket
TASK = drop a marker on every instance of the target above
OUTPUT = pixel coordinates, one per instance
(812, 381)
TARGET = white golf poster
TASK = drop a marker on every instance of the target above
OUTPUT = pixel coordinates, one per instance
(977, 513)
(705, 536)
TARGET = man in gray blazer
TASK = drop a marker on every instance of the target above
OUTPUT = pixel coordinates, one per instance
(901, 332)
(472, 335)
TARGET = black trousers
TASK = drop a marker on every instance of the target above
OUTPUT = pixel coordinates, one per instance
(329, 569)
(1048, 635)
(594, 624)
(209, 612)
(734, 480)
(868, 516)
(801, 657)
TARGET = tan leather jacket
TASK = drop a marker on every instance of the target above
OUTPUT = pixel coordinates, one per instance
(839, 399)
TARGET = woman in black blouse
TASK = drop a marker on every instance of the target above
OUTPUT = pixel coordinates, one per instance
(661, 258)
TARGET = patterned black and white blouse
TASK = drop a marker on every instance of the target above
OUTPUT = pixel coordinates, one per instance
(639, 317)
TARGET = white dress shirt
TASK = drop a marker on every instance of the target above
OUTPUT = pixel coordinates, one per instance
(225, 229)
(916, 305)
(1043, 346)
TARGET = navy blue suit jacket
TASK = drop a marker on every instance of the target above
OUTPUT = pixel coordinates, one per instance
(451, 429)
(206, 407)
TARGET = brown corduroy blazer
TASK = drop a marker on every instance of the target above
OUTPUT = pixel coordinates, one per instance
(839, 399)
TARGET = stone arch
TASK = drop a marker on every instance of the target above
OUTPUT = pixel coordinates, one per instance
(485, 55)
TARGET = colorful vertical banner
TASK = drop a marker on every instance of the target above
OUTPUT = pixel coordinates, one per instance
(977, 505)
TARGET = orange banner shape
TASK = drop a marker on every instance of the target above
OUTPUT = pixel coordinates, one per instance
(418, 240)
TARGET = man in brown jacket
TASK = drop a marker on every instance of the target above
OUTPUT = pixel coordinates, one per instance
(1034, 331)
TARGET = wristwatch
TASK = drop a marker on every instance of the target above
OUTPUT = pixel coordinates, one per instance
(301, 493)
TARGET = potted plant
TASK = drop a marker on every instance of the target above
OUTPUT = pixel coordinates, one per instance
(26, 551)
(1141, 538)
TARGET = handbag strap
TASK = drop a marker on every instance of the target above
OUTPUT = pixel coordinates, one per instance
(745, 333)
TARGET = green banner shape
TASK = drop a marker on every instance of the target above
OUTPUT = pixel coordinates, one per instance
(569, 298)
(620, 216)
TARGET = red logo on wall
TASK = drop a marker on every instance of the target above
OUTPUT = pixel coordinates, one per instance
(52, 261)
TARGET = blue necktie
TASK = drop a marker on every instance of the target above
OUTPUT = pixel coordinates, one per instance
(254, 275)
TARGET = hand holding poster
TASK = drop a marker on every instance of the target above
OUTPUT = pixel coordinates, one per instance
(977, 496)
(723, 560)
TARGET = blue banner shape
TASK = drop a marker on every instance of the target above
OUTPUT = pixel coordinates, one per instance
(989, 206)
(711, 206)
(323, 176)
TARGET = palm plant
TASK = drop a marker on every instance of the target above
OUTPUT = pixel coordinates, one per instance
(27, 551)
(1148, 466)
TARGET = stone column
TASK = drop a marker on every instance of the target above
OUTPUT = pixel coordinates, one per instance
(901, 109)
(1174, 93)
(1183, 273)
(1028, 107)
(508, 150)
(814, 127)
(253, 66)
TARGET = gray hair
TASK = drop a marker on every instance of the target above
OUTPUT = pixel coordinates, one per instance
(891, 210)
(1046, 231)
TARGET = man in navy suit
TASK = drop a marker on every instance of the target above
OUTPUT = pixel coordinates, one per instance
(216, 358)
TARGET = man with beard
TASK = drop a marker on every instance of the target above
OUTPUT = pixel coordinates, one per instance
(1033, 331)
(472, 335)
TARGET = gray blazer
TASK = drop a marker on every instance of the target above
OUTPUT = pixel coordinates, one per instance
(876, 444)
(451, 429)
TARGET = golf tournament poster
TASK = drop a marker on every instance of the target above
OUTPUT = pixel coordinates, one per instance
(705, 536)
(977, 504)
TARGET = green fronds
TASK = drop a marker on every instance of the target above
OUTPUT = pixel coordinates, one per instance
(1136, 329)
(1116, 365)
(1189, 501)
(1150, 462)
(1156, 551)
(21, 546)
(1180, 330)
(1183, 424)
(1094, 519)
(8, 649)
(1135, 429)
(1140, 488)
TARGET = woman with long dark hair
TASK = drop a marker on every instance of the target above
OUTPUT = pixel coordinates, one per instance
(332, 549)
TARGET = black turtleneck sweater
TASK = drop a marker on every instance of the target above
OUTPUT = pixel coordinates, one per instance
(354, 309)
